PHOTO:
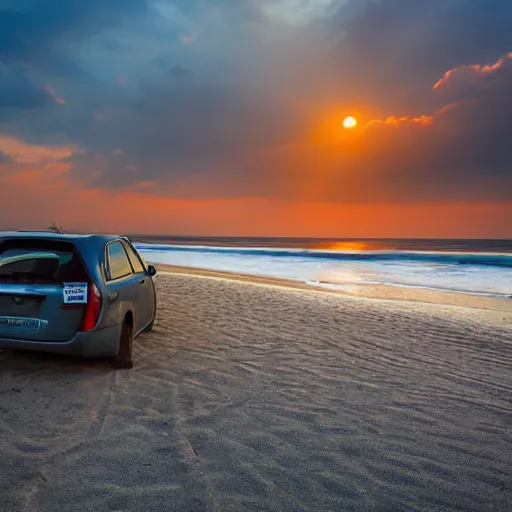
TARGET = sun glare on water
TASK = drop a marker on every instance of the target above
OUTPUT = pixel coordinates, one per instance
(349, 122)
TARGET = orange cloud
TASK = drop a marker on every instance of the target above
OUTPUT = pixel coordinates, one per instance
(41, 177)
(399, 121)
(20, 152)
(467, 75)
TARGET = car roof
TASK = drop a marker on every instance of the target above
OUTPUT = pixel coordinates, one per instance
(97, 239)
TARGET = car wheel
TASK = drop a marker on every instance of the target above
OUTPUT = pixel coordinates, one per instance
(124, 361)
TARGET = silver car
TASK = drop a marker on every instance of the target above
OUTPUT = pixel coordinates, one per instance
(83, 295)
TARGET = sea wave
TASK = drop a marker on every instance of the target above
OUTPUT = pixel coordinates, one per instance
(447, 258)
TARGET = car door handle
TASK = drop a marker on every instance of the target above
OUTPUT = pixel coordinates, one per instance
(142, 281)
(112, 297)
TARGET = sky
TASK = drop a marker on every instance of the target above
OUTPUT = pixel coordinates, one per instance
(225, 117)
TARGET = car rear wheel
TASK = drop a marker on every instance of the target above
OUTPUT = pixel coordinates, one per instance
(124, 361)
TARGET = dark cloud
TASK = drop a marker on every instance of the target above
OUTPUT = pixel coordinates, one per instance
(37, 41)
(19, 91)
(240, 11)
(230, 138)
(476, 81)
(180, 73)
(28, 32)
(220, 94)
(398, 48)
(188, 129)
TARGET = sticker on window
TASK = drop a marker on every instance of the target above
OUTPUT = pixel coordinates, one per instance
(75, 293)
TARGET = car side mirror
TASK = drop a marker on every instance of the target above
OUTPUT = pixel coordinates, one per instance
(151, 271)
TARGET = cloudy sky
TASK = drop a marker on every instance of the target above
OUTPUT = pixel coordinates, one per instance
(224, 117)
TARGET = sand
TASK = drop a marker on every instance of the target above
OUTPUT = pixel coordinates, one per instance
(267, 397)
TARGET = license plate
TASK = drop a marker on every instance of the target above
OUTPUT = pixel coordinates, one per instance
(21, 323)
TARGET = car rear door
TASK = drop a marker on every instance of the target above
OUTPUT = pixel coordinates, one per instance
(146, 301)
(122, 283)
(34, 279)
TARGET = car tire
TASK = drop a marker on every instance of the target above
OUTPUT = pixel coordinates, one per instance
(124, 361)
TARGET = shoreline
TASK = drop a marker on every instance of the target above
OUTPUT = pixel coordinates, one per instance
(499, 308)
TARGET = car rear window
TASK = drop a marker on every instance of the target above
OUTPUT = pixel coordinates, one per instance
(39, 261)
(118, 263)
(135, 260)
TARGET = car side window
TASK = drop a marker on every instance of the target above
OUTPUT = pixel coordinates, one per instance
(134, 260)
(118, 263)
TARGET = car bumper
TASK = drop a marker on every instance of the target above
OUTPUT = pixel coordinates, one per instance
(102, 343)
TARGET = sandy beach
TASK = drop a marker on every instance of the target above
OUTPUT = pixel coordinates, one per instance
(259, 395)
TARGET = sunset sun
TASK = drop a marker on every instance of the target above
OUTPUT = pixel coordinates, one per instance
(349, 122)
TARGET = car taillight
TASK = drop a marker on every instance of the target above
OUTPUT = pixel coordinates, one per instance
(93, 308)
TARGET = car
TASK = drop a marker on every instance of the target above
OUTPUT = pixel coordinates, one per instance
(79, 295)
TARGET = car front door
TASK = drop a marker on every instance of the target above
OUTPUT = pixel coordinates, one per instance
(146, 291)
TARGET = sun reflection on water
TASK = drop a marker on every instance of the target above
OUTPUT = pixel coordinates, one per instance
(348, 246)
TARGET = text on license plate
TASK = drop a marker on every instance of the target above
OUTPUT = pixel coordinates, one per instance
(22, 323)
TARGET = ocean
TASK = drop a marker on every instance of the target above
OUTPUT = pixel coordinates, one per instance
(482, 267)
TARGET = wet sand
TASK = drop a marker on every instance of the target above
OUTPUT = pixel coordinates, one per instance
(255, 395)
